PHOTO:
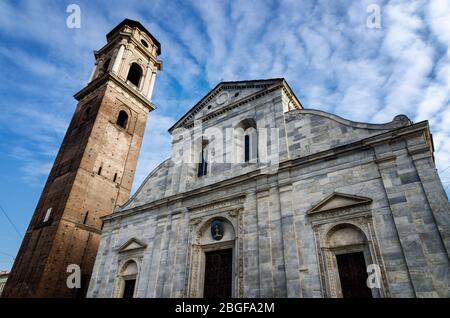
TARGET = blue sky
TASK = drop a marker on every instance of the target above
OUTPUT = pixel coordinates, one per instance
(323, 48)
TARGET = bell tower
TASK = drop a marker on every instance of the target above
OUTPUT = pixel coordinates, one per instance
(94, 169)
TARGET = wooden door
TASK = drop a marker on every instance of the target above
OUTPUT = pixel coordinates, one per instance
(353, 275)
(218, 274)
(128, 290)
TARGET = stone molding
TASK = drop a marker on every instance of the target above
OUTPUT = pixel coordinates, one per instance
(397, 122)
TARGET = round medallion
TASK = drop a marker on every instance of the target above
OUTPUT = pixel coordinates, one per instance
(217, 230)
(222, 98)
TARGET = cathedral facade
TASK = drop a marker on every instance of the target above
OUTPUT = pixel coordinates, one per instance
(262, 197)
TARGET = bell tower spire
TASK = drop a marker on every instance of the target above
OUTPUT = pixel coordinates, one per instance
(130, 55)
(94, 169)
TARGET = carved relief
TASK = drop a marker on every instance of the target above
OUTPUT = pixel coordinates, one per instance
(217, 205)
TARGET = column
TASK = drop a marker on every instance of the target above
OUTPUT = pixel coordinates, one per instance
(415, 225)
(266, 278)
(251, 249)
(152, 84)
(147, 79)
(117, 61)
(277, 246)
(435, 194)
(291, 259)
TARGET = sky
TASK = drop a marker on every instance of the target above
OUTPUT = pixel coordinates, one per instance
(326, 51)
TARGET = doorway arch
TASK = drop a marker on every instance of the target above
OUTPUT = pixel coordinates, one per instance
(348, 255)
(208, 250)
(127, 279)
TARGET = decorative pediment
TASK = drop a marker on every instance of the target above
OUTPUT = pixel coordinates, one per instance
(337, 201)
(220, 98)
(132, 245)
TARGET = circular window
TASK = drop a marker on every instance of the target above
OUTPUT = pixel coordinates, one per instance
(144, 43)
(209, 106)
(236, 95)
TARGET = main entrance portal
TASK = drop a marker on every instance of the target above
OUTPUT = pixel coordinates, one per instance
(218, 274)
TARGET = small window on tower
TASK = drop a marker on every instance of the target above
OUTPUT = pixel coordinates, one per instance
(144, 43)
(86, 217)
(87, 112)
(134, 75)
(106, 65)
(122, 119)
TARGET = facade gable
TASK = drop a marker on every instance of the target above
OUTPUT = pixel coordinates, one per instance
(227, 94)
(132, 245)
(338, 200)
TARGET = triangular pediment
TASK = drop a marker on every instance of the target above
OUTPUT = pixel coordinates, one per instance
(131, 245)
(338, 200)
(224, 94)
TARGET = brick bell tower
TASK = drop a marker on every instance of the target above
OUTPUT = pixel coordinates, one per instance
(94, 169)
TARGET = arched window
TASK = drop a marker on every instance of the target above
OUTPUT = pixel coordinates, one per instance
(246, 148)
(106, 66)
(134, 74)
(246, 141)
(122, 119)
(349, 246)
(203, 164)
(87, 112)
